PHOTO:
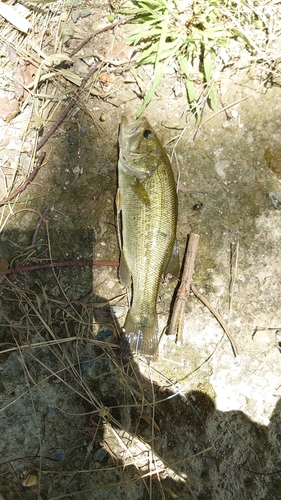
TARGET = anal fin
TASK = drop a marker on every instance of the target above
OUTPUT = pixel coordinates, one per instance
(124, 271)
(173, 264)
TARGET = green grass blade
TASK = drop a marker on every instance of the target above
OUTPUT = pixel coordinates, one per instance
(208, 72)
(244, 37)
(147, 55)
(162, 40)
(208, 65)
(154, 86)
(190, 88)
(136, 37)
(189, 85)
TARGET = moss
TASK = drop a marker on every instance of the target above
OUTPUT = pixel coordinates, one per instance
(273, 159)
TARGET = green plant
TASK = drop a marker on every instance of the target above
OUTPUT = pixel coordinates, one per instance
(190, 33)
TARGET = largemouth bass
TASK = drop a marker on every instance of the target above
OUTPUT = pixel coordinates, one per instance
(147, 200)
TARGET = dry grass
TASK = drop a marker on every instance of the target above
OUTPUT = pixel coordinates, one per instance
(86, 371)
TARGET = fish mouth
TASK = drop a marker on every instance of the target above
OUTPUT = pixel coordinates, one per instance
(128, 131)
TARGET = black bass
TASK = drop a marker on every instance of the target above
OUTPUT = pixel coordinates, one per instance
(147, 200)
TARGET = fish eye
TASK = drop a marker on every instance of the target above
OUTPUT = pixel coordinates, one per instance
(147, 134)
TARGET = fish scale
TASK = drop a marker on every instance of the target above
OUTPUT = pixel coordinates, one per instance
(147, 201)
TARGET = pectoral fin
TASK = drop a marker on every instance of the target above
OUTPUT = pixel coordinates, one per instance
(140, 191)
(173, 265)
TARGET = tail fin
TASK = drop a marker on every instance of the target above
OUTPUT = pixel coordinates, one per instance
(139, 339)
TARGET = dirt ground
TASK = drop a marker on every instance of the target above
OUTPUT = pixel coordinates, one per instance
(197, 422)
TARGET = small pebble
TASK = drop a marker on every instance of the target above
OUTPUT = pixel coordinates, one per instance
(197, 206)
(75, 14)
(85, 13)
(59, 454)
(100, 455)
(275, 199)
(105, 334)
(102, 118)
(30, 480)
(51, 413)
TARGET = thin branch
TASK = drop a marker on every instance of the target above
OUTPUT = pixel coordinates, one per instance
(218, 317)
(63, 263)
(68, 109)
(233, 272)
(177, 319)
(84, 81)
(42, 218)
(201, 124)
(26, 182)
(101, 30)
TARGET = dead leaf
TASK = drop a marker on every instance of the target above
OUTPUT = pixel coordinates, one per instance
(8, 109)
(30, 480)
(29, 72)
(104, 78)
(4, 265)
(3, 144)
(18, 82)
(120, 52)
(10, 14)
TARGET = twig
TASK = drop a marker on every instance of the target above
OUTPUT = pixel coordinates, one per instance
(26, 182)
(176, 325)
(201, 124)
(68, 109)
(86, 40)
(63, 263)
(83, 83)
(34, 237)
(101, 30)
(233, 272)
(218, 317)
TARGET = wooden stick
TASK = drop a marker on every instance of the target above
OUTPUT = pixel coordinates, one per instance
(177, 319)
(233, 272)
(62, 263)
(40, 220)
(26, 182)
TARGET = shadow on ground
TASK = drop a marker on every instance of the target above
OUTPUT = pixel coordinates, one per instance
(83, 424)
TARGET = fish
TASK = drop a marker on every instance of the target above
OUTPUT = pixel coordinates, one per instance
(146, 203)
